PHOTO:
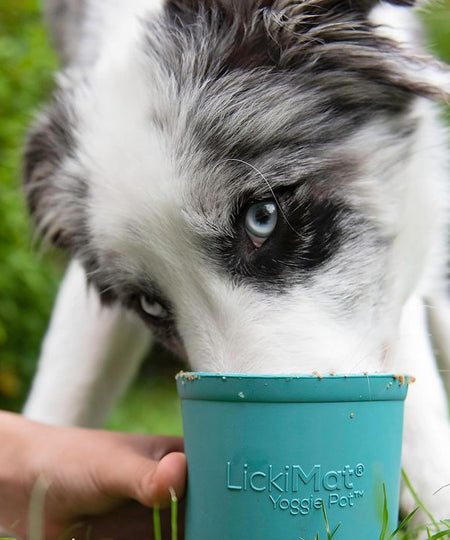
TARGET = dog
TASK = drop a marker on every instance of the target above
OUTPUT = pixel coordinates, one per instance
(262, 184)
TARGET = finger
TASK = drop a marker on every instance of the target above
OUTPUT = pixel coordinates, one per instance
(157, 486)
(137, 477)
(153, 446)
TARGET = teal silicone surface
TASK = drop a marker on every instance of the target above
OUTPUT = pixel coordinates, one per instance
(261, 464)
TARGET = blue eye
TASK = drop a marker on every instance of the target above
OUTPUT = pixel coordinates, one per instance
(260, 221)
(152, 307)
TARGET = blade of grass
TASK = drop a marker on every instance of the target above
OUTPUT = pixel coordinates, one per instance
(403, 524)
(335, 530)
(418, 500)
(174, 513)
(385, 521)
(157, 523)
(36, 509)
(325, 518)
(330, 535)
(441, 534)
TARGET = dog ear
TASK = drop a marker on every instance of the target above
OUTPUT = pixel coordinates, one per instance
(56, 197)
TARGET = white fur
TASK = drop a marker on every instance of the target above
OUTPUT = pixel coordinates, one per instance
(426, 441)
(119, 23)
(89, 357)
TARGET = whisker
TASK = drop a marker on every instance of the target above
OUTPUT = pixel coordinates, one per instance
(271, 191)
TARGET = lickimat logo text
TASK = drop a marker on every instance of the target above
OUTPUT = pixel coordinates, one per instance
(298, 490)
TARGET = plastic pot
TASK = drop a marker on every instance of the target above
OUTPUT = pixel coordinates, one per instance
(276, 457)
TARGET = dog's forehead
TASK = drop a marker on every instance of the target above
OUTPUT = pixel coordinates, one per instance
(160, 161)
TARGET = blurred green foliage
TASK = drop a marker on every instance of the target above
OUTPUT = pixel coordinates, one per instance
(28, 280)
(151, 407)
(436, 19)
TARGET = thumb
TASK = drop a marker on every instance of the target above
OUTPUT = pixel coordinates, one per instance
(156, 486)
(149, 482)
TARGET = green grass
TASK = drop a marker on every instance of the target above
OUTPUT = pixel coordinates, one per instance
(404, 531)
(157, 531)
(399, 534)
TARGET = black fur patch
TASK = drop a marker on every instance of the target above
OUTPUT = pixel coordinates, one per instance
(232, 7)
(311, 37)
(114, 287)
(55, 198)
(309, 232)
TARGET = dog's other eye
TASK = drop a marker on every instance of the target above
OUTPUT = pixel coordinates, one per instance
(152, 307)
(260, 221)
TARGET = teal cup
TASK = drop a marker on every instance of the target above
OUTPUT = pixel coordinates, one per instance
(291, 457)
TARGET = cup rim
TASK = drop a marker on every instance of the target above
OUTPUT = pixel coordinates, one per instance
(292, 388)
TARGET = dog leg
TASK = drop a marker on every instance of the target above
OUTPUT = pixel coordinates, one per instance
(426, 443)
(89, 357)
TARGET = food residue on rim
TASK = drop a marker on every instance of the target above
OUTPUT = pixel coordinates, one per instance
(317, 374)
(241, 395)
(409, 379)
(186, 376)
(400, 379)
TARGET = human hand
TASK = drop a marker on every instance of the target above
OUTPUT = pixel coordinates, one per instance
(97, 481)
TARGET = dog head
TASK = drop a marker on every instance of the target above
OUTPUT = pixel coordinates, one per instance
(247, 177)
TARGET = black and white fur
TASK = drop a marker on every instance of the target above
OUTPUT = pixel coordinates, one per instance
(173, 117)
